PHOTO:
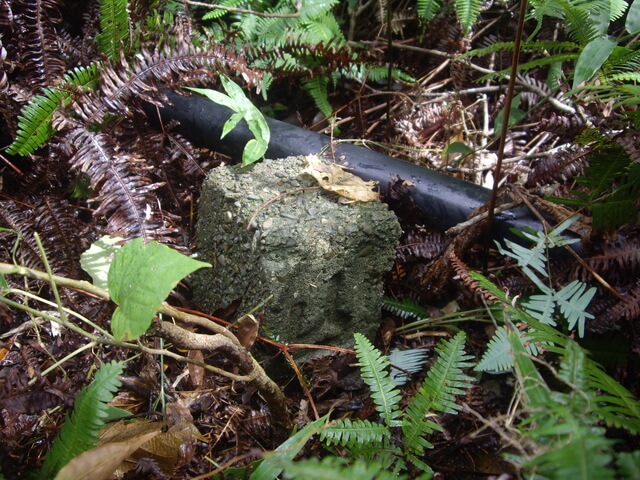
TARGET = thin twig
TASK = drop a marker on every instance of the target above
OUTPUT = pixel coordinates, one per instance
(505, 125)
(456, 229)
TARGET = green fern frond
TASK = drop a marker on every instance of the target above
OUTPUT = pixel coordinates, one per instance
(498, 356)
(219, 12)
(573, 300)
(324, 28)
(615, 405)
(375, 73)
(624, 77)
(544, 47)
(337, 468)
(317, 88)
(375, 373)
(437, 394)
(427, 9)
(541, 307)
(587, 453)
(404, 308)
(527, 258)
(34, 121)
(351, 433)
(612, 182)
(114, 26)
(468, 11)
(84, 77)
(81, 430)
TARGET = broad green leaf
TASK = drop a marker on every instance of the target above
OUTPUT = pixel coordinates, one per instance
(457, 147)
(97, 260)
(593, 56)
(237, 101)
(215, 96)
(254, 149)
(140, 279)
(231, 124)
(632, 23)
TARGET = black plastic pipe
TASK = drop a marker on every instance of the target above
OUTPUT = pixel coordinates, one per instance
(445, 200)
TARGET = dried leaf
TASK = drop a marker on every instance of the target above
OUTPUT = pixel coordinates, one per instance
(196, 372)
(335, 179)
(247, 331)
(169, 449)
(101, 462)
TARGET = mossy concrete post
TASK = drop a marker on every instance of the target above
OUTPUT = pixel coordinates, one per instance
(322, 263)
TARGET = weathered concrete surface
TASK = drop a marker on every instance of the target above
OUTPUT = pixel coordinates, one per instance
(323, 262)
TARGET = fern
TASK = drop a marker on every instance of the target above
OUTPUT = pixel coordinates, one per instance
(444, 381)
(405, 308)
(616, 405)
(34, 122)
(408, 361)
(352, 433)
(427, 9)
(543, 47)
(571, 301)
(114, 22)
(375, 373)
(336, 468)
(81, 430)
(612, 182)
(569, 444)
(317, 88)
(371, 441)
(498, 356)
(468, 11)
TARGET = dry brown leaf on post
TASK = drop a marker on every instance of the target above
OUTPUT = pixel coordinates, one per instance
(335, 179)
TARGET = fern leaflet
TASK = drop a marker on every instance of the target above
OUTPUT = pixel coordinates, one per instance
(34, 123)
(437, 394)
(317, 88)
(114, 23)
(468, 11)
(81, 430)
(351, 433)
(573, 301)
(375, 373)
(498, 356)
(427, 9)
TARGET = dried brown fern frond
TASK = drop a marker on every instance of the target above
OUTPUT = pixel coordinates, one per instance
(564, 164)
(184, 64)
(462, 274)
(122, 188)
(629, 141)
(57, 223)
(37, 41)
(422, 245)
(628, 308)
(617, 259)
(297, 56)
(18, 241)
(567, 125)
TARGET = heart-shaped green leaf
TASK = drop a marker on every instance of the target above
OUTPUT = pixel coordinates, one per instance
(140, 279)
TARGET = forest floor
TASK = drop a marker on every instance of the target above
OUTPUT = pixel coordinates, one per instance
(445, 108)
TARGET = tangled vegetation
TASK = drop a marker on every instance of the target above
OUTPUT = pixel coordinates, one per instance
(537, 371)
